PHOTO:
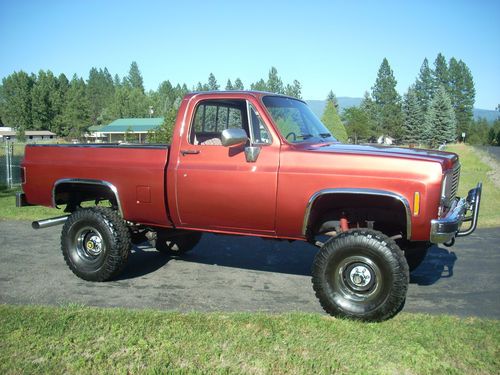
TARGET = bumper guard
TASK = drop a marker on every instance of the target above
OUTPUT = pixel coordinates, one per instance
(447, 228)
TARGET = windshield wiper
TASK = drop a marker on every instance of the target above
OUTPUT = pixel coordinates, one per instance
(305, 136)
(325, 135)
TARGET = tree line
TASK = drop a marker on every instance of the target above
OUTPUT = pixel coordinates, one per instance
(436, 109)
(68, 108)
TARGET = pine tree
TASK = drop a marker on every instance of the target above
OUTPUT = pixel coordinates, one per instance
(100, 91)
(440, 125)
(238, 85)
(229, 85)
(294, 90)
(357, 123)
(134, 78)
(16, 106)
(274, 82)
(212, 83)
(462, 94)
(413, 119)
(388, 101)
(43, 109)
(369, 107)
(440, 73)
(332, 98)
(424, 87)
(76, 113)
(333, 123)
(259, 86)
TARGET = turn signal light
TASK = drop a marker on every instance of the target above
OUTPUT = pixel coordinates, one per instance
(416, 204)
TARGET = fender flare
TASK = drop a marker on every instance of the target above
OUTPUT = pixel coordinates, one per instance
(355, 191)
(108, 185)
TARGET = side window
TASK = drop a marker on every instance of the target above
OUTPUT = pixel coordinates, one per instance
(213, 116)
(260, 135)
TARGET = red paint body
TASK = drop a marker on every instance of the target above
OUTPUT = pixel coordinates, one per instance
(218, 190)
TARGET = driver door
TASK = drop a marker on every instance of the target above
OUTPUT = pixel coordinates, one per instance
(216, 188)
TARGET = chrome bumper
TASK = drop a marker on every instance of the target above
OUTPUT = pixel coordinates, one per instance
(447, 228)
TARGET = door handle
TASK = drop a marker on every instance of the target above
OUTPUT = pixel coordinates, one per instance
(189, 152)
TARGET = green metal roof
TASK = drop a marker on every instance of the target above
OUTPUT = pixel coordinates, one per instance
(129, 124)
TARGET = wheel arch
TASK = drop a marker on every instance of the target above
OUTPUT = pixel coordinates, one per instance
(332, 197)
(66, 190)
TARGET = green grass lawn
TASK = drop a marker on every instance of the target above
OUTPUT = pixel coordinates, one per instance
(9, 211)
(473, 171)
(94, 340)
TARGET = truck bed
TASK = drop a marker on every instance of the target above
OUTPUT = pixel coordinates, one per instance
(136, 171)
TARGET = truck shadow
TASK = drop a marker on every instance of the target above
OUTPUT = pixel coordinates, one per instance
(142, 260)
(437, 264)
(256, 254)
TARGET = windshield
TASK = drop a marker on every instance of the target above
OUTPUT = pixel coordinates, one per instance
(295, 120)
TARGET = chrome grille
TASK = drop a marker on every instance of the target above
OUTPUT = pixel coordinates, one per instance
(455, 181)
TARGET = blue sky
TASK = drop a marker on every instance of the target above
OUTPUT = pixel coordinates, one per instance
(326, 45)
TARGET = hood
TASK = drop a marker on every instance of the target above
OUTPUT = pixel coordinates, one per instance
(446, 159)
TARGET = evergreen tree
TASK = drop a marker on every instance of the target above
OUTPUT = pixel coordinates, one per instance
(388, 102)
(357, 123)
(164, 133)
(212, 83)
(294, 90)
(274, 82)
(100, 91)
(369, 107)
(478, 132)
(333, 123)
(229, 85)
(117, 82)
(238, 85)
(134, 78)
(413, 124)
(440, 124)
(43, 109)
(424, 87)
(260, 85)
(128, 102)
(440, 73)
(76, 113)
(16, 111)
(462, 94)
(332, 98)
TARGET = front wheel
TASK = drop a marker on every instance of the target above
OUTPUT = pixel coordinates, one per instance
(95, 243)
(361, 274)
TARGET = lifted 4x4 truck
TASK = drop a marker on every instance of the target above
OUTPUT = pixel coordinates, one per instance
(257, 164)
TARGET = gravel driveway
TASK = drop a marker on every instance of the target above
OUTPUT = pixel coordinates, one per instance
(225, 273)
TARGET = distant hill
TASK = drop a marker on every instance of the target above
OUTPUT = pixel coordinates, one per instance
(318, 106)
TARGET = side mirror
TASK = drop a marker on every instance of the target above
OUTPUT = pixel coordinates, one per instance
(234, 137)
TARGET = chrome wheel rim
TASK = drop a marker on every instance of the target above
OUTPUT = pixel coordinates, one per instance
(357, 278)
(89, 243)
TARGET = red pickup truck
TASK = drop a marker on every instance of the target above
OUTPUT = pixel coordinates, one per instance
(257, 164)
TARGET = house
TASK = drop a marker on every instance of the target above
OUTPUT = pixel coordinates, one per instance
(385, 140)
(32, 136)
(132, 130)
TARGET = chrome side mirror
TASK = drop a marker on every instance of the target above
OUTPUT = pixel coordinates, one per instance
(252, 153)
(234, 137)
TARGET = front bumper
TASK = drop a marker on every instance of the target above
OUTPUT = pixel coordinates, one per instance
(445, 230)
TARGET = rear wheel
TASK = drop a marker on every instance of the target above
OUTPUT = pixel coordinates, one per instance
(177, 243)
(95, 243)
(361, 274)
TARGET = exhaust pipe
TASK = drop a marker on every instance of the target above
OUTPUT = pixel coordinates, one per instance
(53, 221)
